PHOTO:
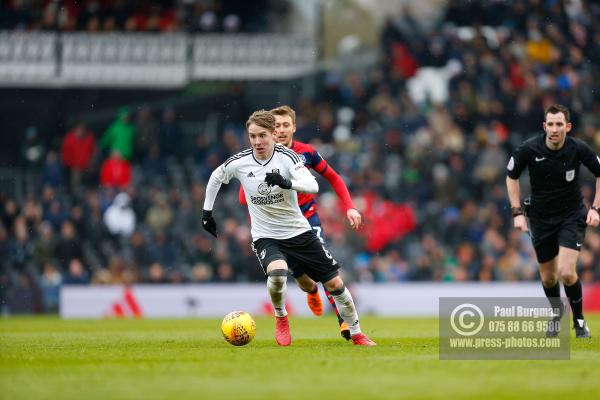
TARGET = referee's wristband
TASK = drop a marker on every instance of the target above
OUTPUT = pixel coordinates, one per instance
(595, 209)
(516, 211)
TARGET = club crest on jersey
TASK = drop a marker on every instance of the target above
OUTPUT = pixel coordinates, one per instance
(302, 157)
(264, 189)
(570, 175)
(275, 170)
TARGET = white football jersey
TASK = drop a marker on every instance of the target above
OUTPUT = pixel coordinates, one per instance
(274, 211)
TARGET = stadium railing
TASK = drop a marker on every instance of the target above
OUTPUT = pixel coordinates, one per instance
(28, 58)
(252, 57)
(154, 60)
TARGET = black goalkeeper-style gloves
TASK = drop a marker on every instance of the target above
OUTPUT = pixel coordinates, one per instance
(208, 222)
(273, 178)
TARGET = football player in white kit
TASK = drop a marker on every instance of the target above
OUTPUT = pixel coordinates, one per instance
(271, 174)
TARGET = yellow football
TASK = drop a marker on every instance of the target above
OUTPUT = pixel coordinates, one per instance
(238, 328)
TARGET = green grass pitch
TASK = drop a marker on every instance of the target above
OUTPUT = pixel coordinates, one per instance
(49, 358)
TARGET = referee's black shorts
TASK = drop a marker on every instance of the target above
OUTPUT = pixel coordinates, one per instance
(304, 251)
(550, 232)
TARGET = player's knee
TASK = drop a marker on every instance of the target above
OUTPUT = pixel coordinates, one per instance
(277, 275)
(277, 264)
(567, 276)
(276, 280)
(335, 285)
(278, 272)
(549, 280)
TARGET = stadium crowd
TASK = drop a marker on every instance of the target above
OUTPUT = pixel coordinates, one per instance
(141, 16)
(423, 136)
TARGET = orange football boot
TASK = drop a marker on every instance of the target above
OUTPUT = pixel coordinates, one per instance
(314, 303)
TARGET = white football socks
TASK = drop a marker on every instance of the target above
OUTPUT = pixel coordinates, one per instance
(347, 310)
(277, 286)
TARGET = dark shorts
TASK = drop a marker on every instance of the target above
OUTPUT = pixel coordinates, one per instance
(548, 233)
(304, 252)
(315, 225)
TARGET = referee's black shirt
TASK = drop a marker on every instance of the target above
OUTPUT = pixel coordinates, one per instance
(553, 174)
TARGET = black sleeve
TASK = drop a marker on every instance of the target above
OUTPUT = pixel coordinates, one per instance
(589, 158)
(518, 162)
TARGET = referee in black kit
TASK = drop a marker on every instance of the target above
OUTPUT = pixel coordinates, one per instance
(557, 216)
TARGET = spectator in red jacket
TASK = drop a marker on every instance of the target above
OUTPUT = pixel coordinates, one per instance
(115, 171)
(77, 152)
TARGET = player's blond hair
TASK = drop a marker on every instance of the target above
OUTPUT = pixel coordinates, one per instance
(285, 110)
(262, 118)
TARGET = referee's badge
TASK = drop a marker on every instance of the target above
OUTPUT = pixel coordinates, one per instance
(570, 175)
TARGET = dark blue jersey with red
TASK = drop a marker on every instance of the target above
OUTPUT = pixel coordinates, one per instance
(313, 160)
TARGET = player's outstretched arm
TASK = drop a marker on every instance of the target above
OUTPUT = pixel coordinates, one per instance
(337, 183)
